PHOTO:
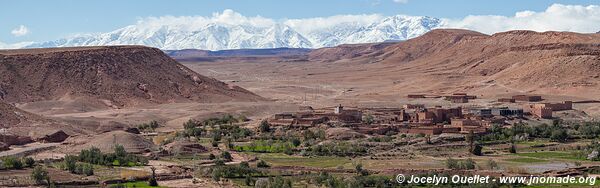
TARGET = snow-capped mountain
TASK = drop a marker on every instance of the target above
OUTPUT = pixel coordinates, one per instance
(217, 35)
(14, 45)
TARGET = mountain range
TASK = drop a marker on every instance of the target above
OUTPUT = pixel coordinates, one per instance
(222, 36)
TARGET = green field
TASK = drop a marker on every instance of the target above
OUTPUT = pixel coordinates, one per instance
(552, 155)
(525, 160)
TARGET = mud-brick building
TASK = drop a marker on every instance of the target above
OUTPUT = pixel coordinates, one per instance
(566, 105)
(528, 98)
(507, 100)
(470, 125)
(538, 110)
(415, 96)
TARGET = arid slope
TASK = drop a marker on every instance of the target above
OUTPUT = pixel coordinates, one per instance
(557, 65)
(117, 76)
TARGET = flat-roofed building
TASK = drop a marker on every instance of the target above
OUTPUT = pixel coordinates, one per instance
(529, 98)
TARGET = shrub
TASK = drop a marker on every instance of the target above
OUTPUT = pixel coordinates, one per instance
(39, 174)
(120, 157)
(262, 164)
(12, 163)
(226, 156)
(477, 150)
(296, 142)
(219, 162)
(70, 163)
(28, 161)
(492, 164)
(467, 164)
(559, 135)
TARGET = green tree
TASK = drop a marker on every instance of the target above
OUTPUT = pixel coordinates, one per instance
(477, 150)
(296, 142)
(152, 182)
(513, 148)
(264, 126)
(154, 124)
(190, 124)
(360, 171)
(369, 119)
(226, 156)
(120, 151)
(559, 135)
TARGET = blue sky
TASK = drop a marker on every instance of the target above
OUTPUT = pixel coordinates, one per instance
(52, 19)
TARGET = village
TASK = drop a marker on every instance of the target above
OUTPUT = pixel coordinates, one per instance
(422, 119)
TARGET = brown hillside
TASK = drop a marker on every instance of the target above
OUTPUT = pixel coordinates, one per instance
(117, 76)
(34, 127)
(449, 60)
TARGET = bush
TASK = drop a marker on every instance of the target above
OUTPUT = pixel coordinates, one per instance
(296, 142)
(39, 174)
(262, 164)
(559, 135)
(120, 157)
(477, 150)
(492, 164)
(190, 124)
(12, 163)
(148, 126)
(84, 169)
(70, 163)
(467, 164)
(226, 156)
(28, 161)
(219, 162)
(368, 119)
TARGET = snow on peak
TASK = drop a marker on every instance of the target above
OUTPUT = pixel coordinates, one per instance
(231, 30)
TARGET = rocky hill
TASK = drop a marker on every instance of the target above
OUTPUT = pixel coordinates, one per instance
(117, 76)
(462, 60)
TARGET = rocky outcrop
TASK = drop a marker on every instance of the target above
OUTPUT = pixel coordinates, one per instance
(50, 136)
(184, 147)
